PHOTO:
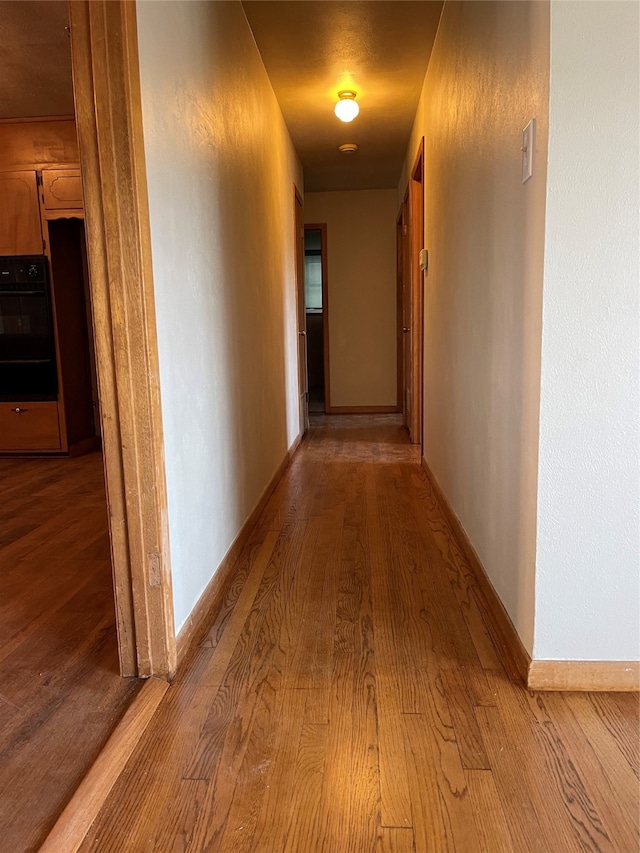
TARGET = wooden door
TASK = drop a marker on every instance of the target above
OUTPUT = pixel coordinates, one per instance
(302, 317)
(20, 232)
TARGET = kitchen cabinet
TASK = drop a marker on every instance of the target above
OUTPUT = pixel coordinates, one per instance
(20, 230)
(47, 404)
(61, 189)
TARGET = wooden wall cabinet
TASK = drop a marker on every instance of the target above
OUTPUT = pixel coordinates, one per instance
(20, 230)
(61, 189)
(41, 212)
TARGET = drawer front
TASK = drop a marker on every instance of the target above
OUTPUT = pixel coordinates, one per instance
(61, 189)
(29, 426)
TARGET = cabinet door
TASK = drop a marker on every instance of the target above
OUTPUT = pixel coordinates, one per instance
(20, 232)
(62, 189)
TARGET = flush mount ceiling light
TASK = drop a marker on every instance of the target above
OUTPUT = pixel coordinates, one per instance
(346, 109)
(348, 148)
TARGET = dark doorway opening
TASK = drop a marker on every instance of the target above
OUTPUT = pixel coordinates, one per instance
(316, 310)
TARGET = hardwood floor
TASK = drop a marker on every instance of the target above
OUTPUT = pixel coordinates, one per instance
(348, 697)
(60, 689)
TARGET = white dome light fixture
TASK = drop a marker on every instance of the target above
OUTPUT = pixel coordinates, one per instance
(346, 109)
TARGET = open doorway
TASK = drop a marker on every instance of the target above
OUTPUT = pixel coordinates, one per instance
(60, 680)
(66, 638)
(317, 317)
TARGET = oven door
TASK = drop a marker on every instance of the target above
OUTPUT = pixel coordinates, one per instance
(27, 349)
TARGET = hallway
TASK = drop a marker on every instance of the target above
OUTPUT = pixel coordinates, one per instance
(348, 698)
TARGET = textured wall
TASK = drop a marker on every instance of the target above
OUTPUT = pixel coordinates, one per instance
(220, 170)
(361, 261)
(588, 575)
(484, 229)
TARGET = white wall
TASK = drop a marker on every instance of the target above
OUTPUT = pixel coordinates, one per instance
(361, 261)
(488, 75)
(588, 572)
(220, 170)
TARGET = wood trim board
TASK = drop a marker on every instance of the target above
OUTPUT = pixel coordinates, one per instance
(74, 823)
(511, 651)
(416, 239)
(200, 617)
(399, 323)
(109, 125)
(540, 675)
(301, 314)
(584, 675)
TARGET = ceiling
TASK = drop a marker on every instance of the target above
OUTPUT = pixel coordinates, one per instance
(35, 59)
(311, 50)
(314, 48)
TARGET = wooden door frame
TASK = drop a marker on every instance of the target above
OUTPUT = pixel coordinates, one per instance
(104, 50)
(300, 303)
(322, 227)
(416, 239)
(399, 309)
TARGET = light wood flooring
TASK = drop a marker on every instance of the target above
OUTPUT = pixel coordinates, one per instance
(347, 696)
(60, 689)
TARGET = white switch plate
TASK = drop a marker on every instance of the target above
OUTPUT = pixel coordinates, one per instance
(528, 147)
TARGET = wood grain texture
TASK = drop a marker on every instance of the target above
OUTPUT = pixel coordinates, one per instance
(38, 143)
(74, 822)
(346, 698)
(60, 690)
(585, 675)
(62, 189)
(507, 642)
(547, 675)
(210, 599)
(29, 426)
(109, 122)
(20, 230)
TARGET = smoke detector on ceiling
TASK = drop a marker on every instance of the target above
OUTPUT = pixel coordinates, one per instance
(348, 148)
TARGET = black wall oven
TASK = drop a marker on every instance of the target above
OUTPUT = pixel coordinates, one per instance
(27, 344)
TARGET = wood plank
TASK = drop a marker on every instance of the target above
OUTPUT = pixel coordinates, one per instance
(303, 827)
(490, 821)
(600, 772)
(513, 654)
(392, 839)
(391, 676)
(285, 721)
(442, 810)
(556, 782)
(508, 761)
(607, 725)
(61, 691)
(210, 599)
(74, 822)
